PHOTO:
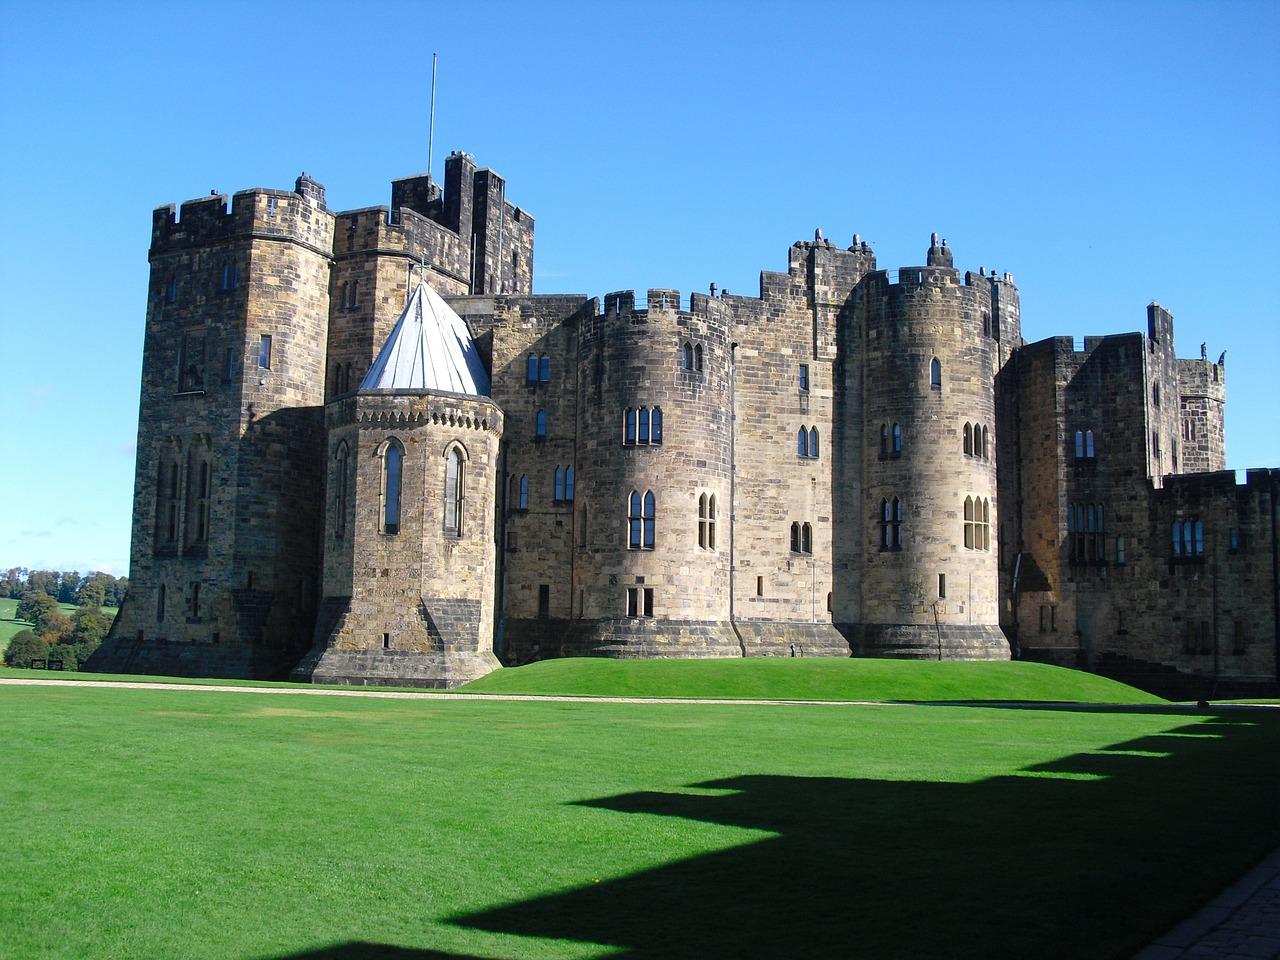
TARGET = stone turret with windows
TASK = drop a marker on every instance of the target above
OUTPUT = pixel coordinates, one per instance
(409, 522)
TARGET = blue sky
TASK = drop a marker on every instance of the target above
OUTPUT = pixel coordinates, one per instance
(1105, 154)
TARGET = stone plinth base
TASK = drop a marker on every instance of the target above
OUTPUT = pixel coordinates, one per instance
(761, 638)
(440, 670)
(913, 641)
(524, 641)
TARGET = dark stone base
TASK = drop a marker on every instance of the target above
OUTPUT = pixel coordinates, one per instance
(763, 638)
(434, 669)
(911, 641)
(195, 659)
(524, 641)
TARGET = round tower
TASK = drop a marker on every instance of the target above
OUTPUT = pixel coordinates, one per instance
(653, 495)
(930, 579)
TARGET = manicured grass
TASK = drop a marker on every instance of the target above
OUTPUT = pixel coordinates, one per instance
(808, 679)
(163, 823)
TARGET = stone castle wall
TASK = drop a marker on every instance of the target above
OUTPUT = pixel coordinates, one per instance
(256, 535)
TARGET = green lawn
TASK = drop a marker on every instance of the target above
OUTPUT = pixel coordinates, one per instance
(158, 823)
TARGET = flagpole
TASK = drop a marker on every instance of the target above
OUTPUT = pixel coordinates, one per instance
(431, 135)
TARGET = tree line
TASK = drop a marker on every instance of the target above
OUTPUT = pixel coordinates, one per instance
(93, 589)
(53, 634)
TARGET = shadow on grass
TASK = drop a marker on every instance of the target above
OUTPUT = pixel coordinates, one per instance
(375, 951)
(1091, 855)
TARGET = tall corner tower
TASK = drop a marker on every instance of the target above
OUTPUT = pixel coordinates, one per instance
(225, 556)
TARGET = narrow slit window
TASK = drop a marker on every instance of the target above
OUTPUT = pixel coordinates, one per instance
(393, 465)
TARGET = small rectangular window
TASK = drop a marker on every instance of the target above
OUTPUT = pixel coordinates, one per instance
(1053, 619)
(759, 586)
(804, 377)
(264, 351)
(386, 641)
(544, 600)
(229, 368)
(1120, 551)
(942, 586)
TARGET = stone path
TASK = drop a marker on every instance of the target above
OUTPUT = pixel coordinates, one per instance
(1241, 923)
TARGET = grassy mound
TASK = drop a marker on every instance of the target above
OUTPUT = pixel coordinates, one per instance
(808, 679)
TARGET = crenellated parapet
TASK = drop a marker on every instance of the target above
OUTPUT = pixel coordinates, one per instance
(298, 215)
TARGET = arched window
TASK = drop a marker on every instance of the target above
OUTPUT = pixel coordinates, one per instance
(656, 432)
(795, 536)
(540, 424)
(1088, 444)
(642, 435)
(524, 492)
(160, 602)
(897, 438)
(629, 426)
(895, 525)
(226, 275)
(802, 442)
(1177, 539)
(697, 358)
(544, 368)
(985, 453)
(568, 484)
(640, 521)
(454, 473)
(1079, 444)
(884, 439)
(340, 481)
(559, 488)
(642, 425)
(935, 373)
(531, 370)
(355, 293)
(235, 275)
(392, 470)
(346, 295)
(686, 355)
(986, 524)
(1198, 543)
(968, 440)
(813, 441)
(968, 523)
(707, 521)
(173, 289)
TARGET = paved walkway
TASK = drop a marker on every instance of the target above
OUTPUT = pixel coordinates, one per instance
(1241, 923)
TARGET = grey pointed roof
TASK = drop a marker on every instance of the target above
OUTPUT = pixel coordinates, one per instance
(430, 348)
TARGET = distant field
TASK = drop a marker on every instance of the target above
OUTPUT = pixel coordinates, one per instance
(9, 626)
(241, 826)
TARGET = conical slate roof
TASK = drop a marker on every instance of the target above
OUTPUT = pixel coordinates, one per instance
(429, 349)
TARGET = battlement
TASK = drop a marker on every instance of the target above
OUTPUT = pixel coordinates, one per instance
(299, 215)
(1203, 379)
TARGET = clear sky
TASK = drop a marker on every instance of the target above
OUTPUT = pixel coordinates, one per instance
(1105, 154)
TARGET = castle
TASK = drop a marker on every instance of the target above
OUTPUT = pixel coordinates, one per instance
(368, 453)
